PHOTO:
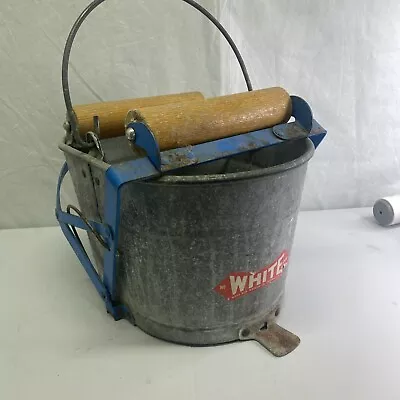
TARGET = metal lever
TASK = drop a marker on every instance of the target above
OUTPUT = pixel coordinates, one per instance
(277, 340)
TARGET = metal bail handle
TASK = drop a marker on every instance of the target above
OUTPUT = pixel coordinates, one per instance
(73, 126)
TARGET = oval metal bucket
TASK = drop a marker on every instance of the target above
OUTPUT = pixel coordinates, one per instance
(203, 255)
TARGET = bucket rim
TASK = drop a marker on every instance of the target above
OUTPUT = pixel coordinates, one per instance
(203, 179)
(276, 169)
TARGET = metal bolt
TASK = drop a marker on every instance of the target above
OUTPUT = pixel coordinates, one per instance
(130, 134)
(245, 333)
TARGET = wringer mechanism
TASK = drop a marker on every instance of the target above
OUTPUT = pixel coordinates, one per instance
(165, 135)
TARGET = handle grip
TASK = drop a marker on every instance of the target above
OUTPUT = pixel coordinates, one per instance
(189, 123)
(112, 114)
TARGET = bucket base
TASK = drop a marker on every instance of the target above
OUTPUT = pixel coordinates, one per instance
(204, 337)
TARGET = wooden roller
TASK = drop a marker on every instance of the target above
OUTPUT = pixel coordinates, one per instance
(112, 114)
(183, 124)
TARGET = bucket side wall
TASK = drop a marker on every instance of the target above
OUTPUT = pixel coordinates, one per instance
(178, 242)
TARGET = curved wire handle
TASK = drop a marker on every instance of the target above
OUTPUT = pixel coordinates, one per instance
(67, 52)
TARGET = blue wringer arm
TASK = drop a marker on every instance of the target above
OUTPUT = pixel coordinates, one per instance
(154, 165)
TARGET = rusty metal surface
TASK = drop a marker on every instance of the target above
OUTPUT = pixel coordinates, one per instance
(173, 160)
(290, 131)
(277, 340)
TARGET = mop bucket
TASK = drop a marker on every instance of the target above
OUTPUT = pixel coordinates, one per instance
(199, 255)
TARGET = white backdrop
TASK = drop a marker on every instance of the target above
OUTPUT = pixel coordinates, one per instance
(341, 56)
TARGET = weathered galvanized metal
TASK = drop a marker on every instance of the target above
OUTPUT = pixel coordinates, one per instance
(192, 244)
(194, 248)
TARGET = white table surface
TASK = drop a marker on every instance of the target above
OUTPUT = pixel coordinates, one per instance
(343, 300)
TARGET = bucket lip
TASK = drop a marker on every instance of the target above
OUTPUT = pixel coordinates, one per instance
(191, 179)
(204, 179)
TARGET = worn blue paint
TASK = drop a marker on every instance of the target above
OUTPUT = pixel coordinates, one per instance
(66, 221)
(116, 176)
(302, 112)
(145, 139)
(227, 147)
(318, 134)
(153, 166)
(76, 221)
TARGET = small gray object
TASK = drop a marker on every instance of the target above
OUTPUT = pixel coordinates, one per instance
(383, 212)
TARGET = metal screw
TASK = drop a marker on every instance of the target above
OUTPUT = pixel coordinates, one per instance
(245, 333)
(130, 134)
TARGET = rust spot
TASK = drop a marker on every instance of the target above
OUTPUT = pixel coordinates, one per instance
(178, 160)
(249, 146)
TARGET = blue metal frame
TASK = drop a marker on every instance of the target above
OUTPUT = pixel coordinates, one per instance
(67, 220)
(154, 165)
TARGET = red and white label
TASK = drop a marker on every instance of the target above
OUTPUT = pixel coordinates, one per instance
(238, 284)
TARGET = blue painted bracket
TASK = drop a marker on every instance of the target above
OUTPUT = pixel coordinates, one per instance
(154, 165)
(67, 220)
(303, 126)
(144, 138)
(170, 160)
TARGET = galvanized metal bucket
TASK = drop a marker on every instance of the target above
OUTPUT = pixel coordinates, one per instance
(198, 257)
(194, 248)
